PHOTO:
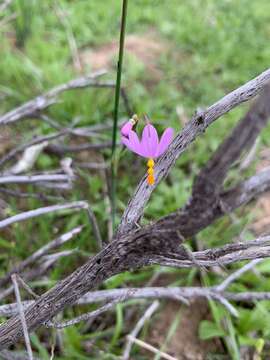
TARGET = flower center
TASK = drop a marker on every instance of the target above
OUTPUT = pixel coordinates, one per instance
(150, 172)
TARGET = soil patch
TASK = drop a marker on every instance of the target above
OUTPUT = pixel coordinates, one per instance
(185, 343)
(147, 48)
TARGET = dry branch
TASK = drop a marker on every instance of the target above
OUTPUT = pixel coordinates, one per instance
(195, 127)
(35, 141)
(235, 275)
(146, 316)
(21, 313)
(130, 253)
(181, 294)
(151, 348)
(27, 160)
(76, 205)
(196, 216)
(60, 240)
(41, 102)
(15, 355)
(209, 201)
(59, 149)
(35, 195)
(158, 243)
(95, 227)
(241, 139)
(82, 317)
(44, 264)
(32, 179)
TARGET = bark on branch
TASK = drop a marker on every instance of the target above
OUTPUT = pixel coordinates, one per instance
(138, 249)
(189, 133)
(43, 101)
(158, 243)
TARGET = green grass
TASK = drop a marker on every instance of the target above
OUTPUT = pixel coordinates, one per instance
(211, 48)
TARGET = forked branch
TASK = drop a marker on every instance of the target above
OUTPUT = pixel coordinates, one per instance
(158, 243)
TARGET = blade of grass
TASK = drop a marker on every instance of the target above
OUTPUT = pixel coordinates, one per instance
(232, 344)
(170, 334)
(116, 107)
(118, 325)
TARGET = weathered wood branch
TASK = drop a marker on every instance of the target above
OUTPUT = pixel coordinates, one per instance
(170, 293)
(129, 253)
(241, 138)
(22, 147)
(76, 205)
(182, 294)
(188, 221)
(208, 201)
(150, 245)
(189, 133)
(226, 254)
(43, 101)
(60, 240)
(32, 179)
(158, 243)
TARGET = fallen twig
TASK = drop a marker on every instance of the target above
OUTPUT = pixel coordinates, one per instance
(21, 312)
(82, 317)
(35, 195)
(168, 293)
(230, 279)
(41, 102)
(32, 179)
(76, 205)
(45, 264)
(95, 227)
(146, 316)
(151, 348)
(59, 241)
(35, 141)
(15, 355)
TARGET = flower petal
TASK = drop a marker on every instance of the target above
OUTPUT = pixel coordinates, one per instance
(125, 129)
(133, 143)
(149, 141)
(165, 141)
(133, 137)
(125, 141)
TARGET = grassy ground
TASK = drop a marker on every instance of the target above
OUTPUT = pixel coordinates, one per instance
(200, 50)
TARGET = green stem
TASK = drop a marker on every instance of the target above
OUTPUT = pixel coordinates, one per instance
(116, 107)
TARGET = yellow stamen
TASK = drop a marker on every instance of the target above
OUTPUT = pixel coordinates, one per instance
(150, 172)
(150, 179)
(150, 163)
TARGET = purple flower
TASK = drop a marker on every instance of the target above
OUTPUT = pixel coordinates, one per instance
(149, 147)
(126, 128)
